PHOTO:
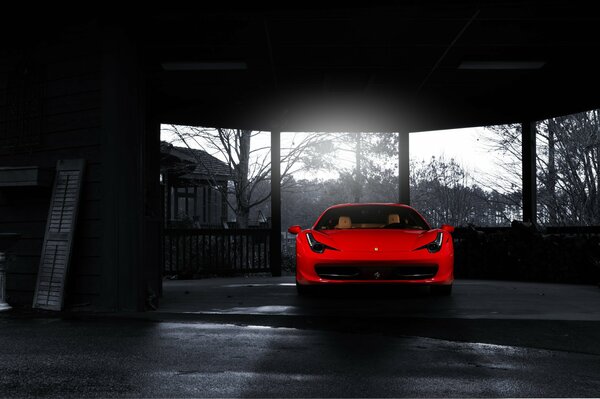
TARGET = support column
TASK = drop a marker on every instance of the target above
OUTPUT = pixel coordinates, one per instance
(403, 169)
(276, 203)
(152, 230)
(528, 131)
(124, 175)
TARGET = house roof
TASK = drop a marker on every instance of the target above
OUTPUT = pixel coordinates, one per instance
(206, 165)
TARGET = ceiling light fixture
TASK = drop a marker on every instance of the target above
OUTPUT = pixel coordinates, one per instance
(501, 65)
(204, 66)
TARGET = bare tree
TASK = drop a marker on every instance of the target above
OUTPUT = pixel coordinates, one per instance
(445, 192)
(503, 143)
(368, 153)
(250, 165)
(568, 167)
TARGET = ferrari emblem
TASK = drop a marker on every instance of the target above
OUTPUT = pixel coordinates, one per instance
(376, 249)
(377, 275)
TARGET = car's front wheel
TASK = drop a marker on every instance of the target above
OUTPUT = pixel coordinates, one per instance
(441, 290)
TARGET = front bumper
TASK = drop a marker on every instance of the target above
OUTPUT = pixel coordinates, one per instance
(414, 267)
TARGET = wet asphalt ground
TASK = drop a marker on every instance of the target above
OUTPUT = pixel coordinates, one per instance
(253, 337)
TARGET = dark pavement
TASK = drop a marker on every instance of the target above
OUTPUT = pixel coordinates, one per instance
(252, 337)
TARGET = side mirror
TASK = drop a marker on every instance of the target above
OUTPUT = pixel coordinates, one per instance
(295, 229)
(448, 228)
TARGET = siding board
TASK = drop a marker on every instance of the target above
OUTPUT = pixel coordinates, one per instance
(70, 85)
(86, 64)
(72, 103)
(93, 174)
(37, 212)
(85, 137)
(20, 282)
(81, 119)
(29, 264)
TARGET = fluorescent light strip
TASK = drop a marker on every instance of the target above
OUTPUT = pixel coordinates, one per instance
(501, 65)
(204, 66)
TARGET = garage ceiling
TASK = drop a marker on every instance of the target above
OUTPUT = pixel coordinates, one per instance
(415, 66)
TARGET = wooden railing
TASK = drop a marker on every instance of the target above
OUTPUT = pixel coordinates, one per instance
(561, 254)
(196, 252)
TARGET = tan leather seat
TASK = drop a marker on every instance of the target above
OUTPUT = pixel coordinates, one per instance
(344, 222)
(393, 218)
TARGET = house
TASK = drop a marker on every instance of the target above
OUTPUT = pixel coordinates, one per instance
(193, 183)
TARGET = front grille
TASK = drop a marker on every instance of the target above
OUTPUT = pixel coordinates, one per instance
(376, 272)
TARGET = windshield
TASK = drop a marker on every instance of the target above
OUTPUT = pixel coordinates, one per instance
(371, 217)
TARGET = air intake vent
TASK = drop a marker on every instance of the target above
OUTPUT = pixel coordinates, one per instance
(375, 272)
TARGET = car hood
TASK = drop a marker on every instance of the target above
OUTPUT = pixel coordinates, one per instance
(385, 240)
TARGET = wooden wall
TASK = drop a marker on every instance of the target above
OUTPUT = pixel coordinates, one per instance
(67, 87)
(80, 81)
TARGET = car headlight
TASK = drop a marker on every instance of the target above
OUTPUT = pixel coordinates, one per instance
(435, 245)
(315, 245)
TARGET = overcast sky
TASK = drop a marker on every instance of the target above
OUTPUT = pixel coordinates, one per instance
(466, 146)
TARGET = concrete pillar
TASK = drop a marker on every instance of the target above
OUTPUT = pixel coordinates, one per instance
(276, 203)
(403, 169)
(528, 131)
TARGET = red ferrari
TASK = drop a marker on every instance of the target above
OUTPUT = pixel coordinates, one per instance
(374, 243)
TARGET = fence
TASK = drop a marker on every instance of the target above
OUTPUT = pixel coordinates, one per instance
(195, 252)
(554, 254)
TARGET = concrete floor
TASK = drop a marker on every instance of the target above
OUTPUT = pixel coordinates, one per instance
(545, 316)
(253, 337)
(471, 299)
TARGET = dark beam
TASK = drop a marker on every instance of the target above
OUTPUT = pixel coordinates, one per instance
(276, 203)
(403, 169)
(152, 223)
(123, 167)
(528, 131)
